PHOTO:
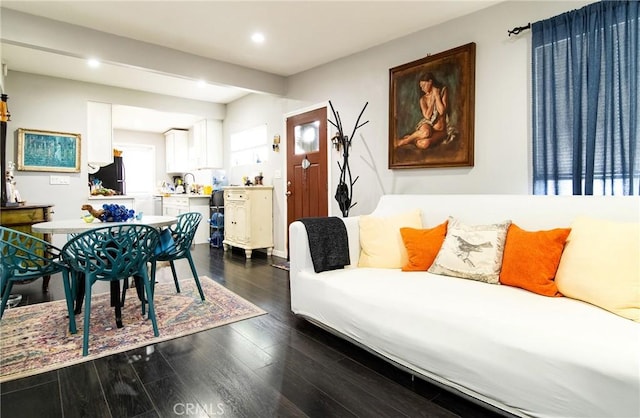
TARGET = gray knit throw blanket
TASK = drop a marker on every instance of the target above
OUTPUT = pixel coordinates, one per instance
(328, 243)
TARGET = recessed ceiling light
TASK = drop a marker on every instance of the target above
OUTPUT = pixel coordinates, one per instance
(202, 83)
(93, 63)
(257, 38)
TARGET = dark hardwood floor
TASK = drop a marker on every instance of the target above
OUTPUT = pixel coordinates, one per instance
(275, 365)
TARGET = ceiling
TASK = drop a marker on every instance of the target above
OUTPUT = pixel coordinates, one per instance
(150, 120)
(300, 35)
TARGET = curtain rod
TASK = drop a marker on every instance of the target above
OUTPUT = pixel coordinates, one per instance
(518, 29)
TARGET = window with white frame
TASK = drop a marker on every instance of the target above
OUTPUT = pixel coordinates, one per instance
(249, 146)
(140, 167)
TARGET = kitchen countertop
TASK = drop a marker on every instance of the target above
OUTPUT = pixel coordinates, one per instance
(253, 186)
(192, 195)
(114, 197)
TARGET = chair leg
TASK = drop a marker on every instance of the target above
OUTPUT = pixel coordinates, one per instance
(4, 281)
(137, 282)
(69, 296)
(152, 311)
(125, 285)
(87, 316)
(153, 276)
(141, 291)
(195, 274)
(73, 281)
(152, 284)
(175, 276)
(6, 292)
(118, 311)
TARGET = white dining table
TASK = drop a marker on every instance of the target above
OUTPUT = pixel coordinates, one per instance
(76, 226)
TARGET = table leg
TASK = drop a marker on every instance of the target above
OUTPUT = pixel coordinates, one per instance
(46, 237)
(115, 301)
(79, 293)
(115, 298)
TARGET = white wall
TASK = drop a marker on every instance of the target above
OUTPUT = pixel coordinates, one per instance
(1, 65)
(254, 110)
(53, 104)
(502, 114)
(502, 106)
(76, 41)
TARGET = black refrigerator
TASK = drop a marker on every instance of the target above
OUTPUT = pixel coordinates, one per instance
(113, 176)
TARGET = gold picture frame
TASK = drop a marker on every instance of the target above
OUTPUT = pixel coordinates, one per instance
(431, 110)
(48, 151)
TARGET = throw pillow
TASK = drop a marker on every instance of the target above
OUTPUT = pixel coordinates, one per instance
(380, 241)
(472, 251)
(531, 259)
(600, 265)
(166, 242)
(422, 246)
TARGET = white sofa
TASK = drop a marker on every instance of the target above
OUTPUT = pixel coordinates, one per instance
(525, 354)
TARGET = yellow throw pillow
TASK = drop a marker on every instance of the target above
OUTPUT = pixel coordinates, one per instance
(380, 240)
(600, 265)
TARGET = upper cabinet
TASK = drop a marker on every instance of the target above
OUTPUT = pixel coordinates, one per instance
(198, 148)
(177, 151)
(99, 141)
(206, 144)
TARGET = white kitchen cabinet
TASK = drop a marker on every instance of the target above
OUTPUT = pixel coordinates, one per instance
(97, 201)
(206, 144)
(178, 204)
(177, 150)
(248, 218)
(99, 140)
(174, 206)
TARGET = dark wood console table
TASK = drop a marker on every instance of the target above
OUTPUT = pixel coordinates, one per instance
(22, 217)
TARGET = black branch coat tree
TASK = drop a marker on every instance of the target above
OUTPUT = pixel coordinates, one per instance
(344, 192)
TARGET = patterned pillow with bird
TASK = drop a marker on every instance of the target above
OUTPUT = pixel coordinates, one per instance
(472, 251)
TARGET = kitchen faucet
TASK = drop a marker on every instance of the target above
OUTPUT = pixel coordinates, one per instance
(187, 185)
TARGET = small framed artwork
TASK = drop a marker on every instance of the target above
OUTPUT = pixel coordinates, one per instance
(48, 151)
(431, 110)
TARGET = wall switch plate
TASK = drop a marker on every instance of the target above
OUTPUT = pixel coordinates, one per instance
(277, 174)
(58, 179)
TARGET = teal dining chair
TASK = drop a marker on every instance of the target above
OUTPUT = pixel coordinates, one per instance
(112, 253)
(25, 258)
(178, 246)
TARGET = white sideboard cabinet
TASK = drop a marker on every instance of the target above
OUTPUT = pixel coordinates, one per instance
(248, 218)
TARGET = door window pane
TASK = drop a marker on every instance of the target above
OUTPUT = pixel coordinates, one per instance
(307, 138)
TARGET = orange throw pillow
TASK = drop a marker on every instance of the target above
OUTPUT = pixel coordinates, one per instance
(422, 246)
(531, 259)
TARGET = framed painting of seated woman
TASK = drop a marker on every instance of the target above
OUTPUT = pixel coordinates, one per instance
(431, 110)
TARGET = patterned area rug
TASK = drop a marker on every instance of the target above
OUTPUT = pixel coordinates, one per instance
(281, 266)
(35, 338)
